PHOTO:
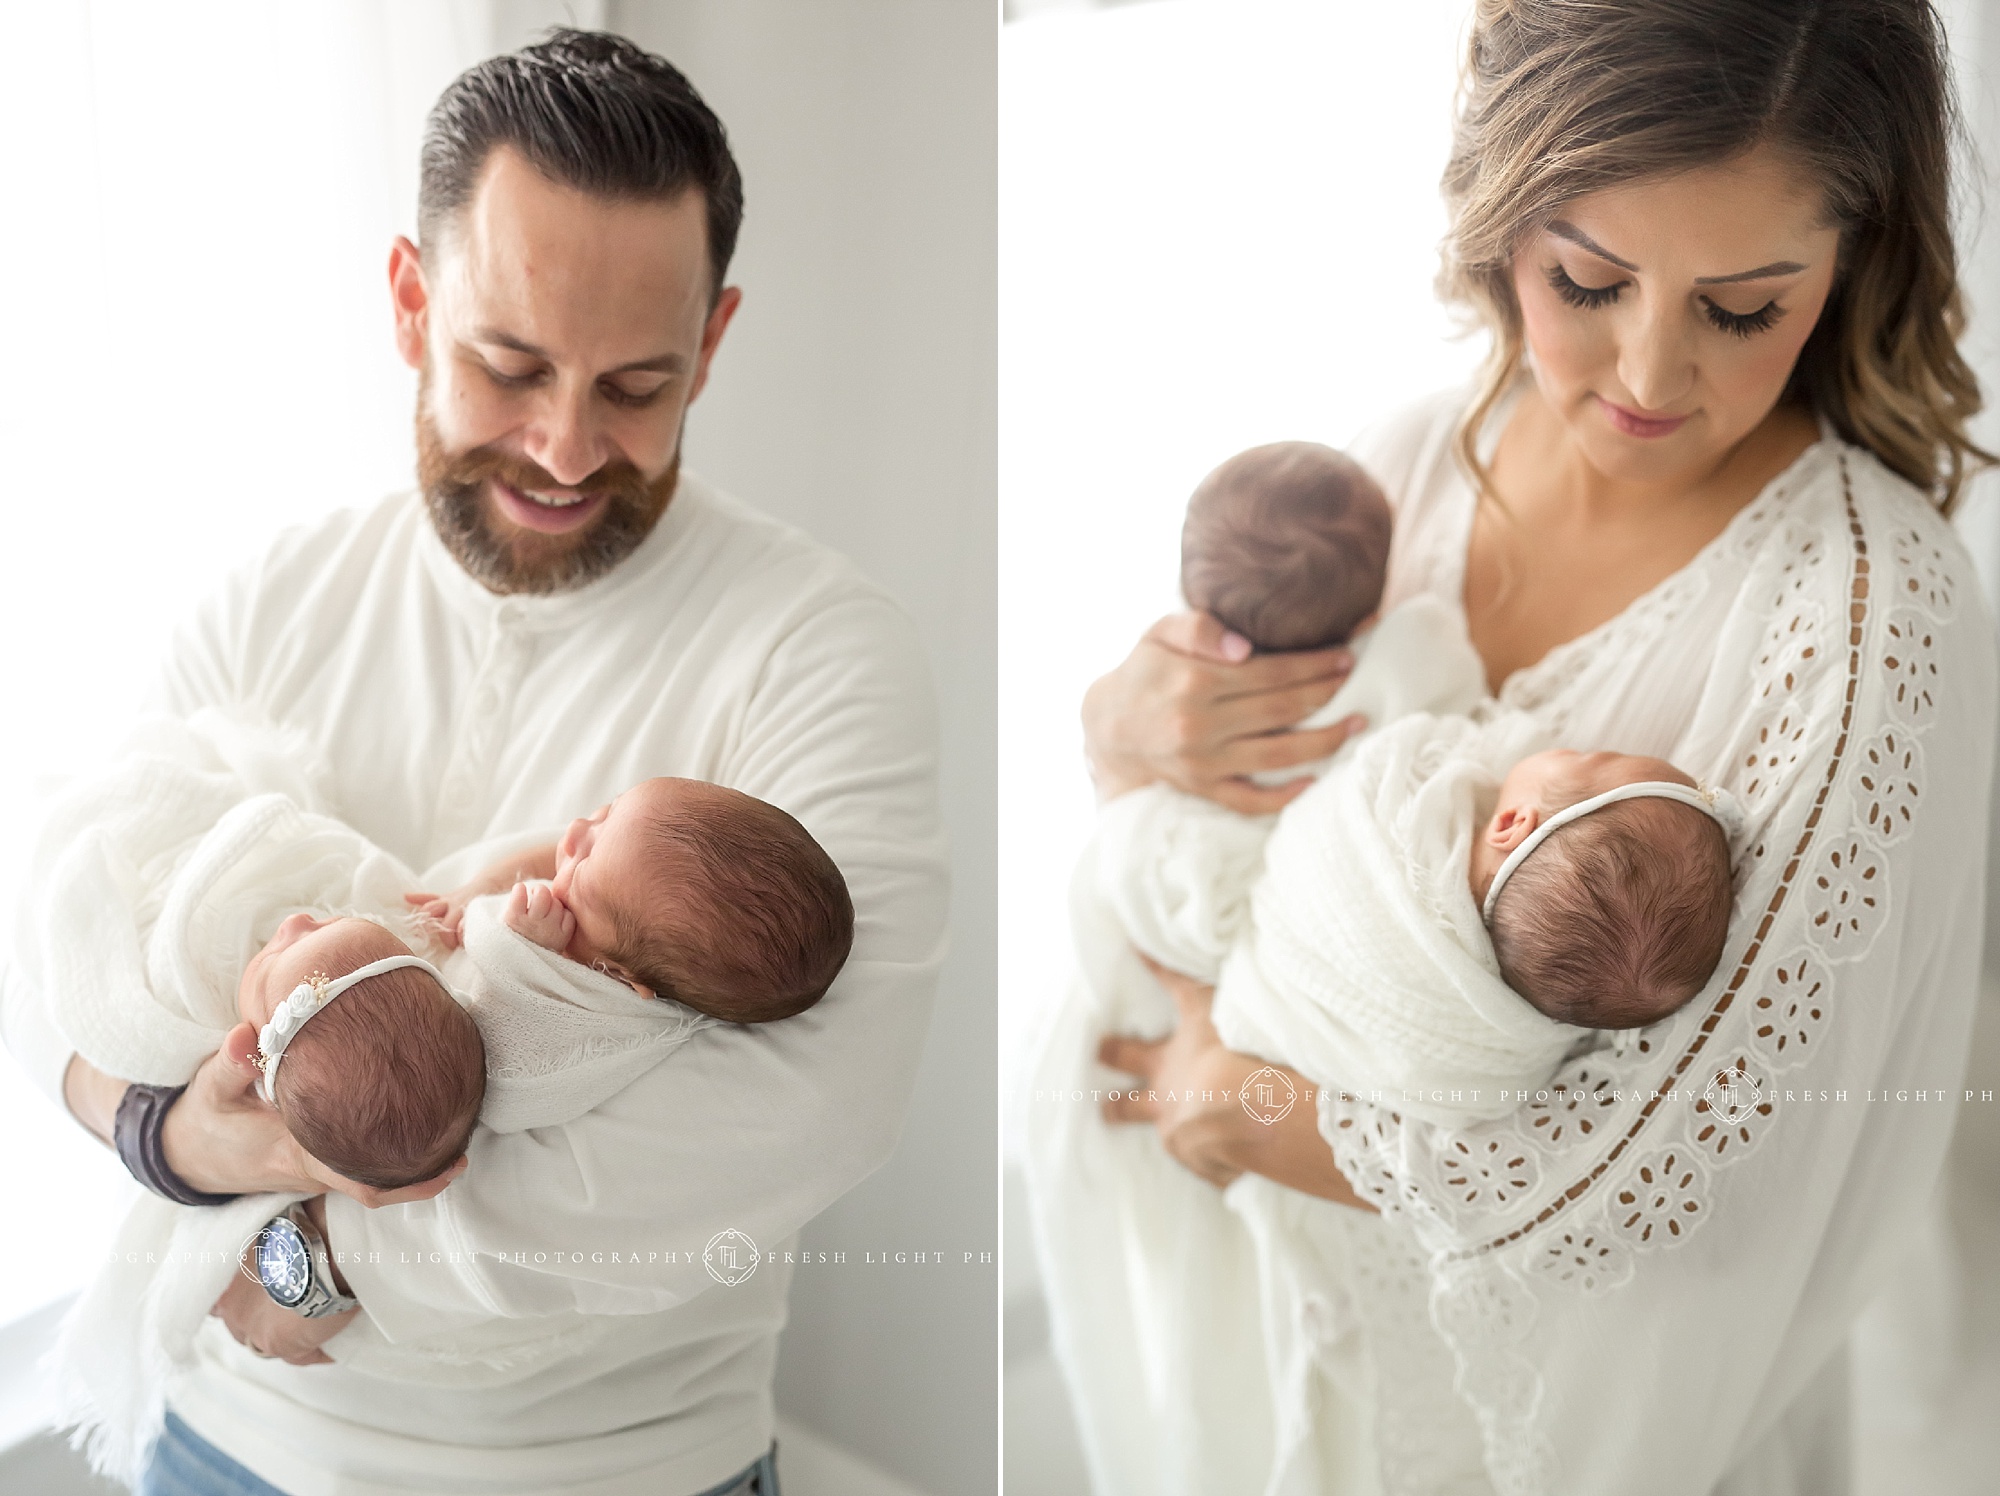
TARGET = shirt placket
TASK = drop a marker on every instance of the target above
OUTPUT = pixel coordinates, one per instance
(465, 807)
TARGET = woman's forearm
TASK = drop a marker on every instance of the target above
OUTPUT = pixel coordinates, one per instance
(92, 1096)
(1291, 1151)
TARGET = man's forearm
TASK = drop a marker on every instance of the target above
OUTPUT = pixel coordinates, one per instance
(92, 1096)
(498, 877)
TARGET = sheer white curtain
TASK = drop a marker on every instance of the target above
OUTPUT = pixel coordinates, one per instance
(199, 200)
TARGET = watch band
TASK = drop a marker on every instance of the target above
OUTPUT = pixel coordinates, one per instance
(321, 1296)
(135, 1133)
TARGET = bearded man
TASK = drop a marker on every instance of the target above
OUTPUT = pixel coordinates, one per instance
(561, 612)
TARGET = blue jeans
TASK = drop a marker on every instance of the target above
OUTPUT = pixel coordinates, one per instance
(185, 1464)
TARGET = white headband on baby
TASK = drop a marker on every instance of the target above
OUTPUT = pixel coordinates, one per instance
(1717, 803)
(307, 999)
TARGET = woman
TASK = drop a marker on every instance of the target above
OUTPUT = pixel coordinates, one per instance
(1695, 509)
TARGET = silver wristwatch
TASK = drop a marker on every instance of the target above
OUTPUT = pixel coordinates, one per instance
(293, 1267)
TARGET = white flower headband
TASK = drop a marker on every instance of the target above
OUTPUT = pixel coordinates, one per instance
(1724, 807)
(308, 998)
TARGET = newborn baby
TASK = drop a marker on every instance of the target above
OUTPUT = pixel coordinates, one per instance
(383, 1084)
(1606, 895)
(681, 889)
(684, 890)
(1288, 545)
(1440, 918)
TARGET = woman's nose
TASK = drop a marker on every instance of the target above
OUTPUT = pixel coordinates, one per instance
(1654, 363)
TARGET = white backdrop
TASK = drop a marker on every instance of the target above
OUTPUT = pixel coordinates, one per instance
(201, 201)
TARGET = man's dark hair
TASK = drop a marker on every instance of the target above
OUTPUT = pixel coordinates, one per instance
(589, 110)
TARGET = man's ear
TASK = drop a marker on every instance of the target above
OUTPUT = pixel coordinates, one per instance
(1512, 826)
(410, 298)
(238, 1045)
(711, 335)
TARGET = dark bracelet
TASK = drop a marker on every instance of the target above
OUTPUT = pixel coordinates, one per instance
(136, 1135)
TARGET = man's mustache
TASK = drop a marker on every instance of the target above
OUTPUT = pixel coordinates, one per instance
(477, 465)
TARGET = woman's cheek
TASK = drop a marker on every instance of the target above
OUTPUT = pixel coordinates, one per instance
(1563, 341)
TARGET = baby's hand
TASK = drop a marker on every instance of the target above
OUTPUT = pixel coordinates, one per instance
(534, 910)
(441, 914)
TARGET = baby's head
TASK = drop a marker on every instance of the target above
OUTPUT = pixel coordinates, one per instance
(1288, 545)
(1618, 917)
(707, 896)
(383, 1084)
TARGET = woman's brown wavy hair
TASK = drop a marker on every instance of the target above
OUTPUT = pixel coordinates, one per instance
(1563, 97)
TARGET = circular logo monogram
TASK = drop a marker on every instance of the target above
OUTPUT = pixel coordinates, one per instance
(1268, 1095)
(1732, 1095)
(730, 1257)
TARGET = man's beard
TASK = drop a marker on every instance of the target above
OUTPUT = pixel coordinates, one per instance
(508, 558)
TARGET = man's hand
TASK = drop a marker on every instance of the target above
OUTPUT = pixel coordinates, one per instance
(268, 1328)
(1192, 708)
(533, 910)
(223, 1137)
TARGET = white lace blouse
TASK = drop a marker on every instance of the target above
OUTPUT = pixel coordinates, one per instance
(1638, 1274)
(1644, 1279)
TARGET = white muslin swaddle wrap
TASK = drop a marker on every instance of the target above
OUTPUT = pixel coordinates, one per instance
(1417, 659)
(1364, 963)
(151, 886)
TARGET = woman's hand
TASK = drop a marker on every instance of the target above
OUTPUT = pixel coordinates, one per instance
(1191, 708)
(1189, 1084)
(1192, 1091)
(221, 1136)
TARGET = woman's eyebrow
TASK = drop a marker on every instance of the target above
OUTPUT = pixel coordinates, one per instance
(1762, 272)
(1565, 230)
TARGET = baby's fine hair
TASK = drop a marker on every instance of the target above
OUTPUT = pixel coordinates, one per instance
(384, 1084)
(1619, 917)
(1288, 545)
(759, 915)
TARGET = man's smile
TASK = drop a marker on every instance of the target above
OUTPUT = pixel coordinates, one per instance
(552, 512)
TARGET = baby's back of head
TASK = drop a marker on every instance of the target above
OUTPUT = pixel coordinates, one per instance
(746, 918)
(384, 1083)
(1288, 545)
(1619, 918)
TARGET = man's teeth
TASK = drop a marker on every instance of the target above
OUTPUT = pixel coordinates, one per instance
(557, 500)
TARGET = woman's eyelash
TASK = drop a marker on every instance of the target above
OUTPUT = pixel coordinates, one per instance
(1742, 324)
(1587, 297)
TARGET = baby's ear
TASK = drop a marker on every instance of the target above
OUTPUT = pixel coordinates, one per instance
(618, 973)
(1511, 826)
(238, 1045)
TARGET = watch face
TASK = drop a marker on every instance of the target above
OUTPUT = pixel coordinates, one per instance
(283, 1263)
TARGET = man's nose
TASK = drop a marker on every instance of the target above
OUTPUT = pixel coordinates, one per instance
(1654, 361)
(564, 440)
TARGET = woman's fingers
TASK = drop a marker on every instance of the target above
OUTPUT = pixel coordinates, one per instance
(1248, 799)
(1290, 750)
(1201, 635)
(1130, 1106)
(1249, 710)
(1138, 1057)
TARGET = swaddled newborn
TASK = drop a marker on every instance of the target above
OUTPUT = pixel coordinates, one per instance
(1288, 545)
(684, 890)
(1614, 917)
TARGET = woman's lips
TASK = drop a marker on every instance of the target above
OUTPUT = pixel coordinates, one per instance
(1633, 424)
(549, 519)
